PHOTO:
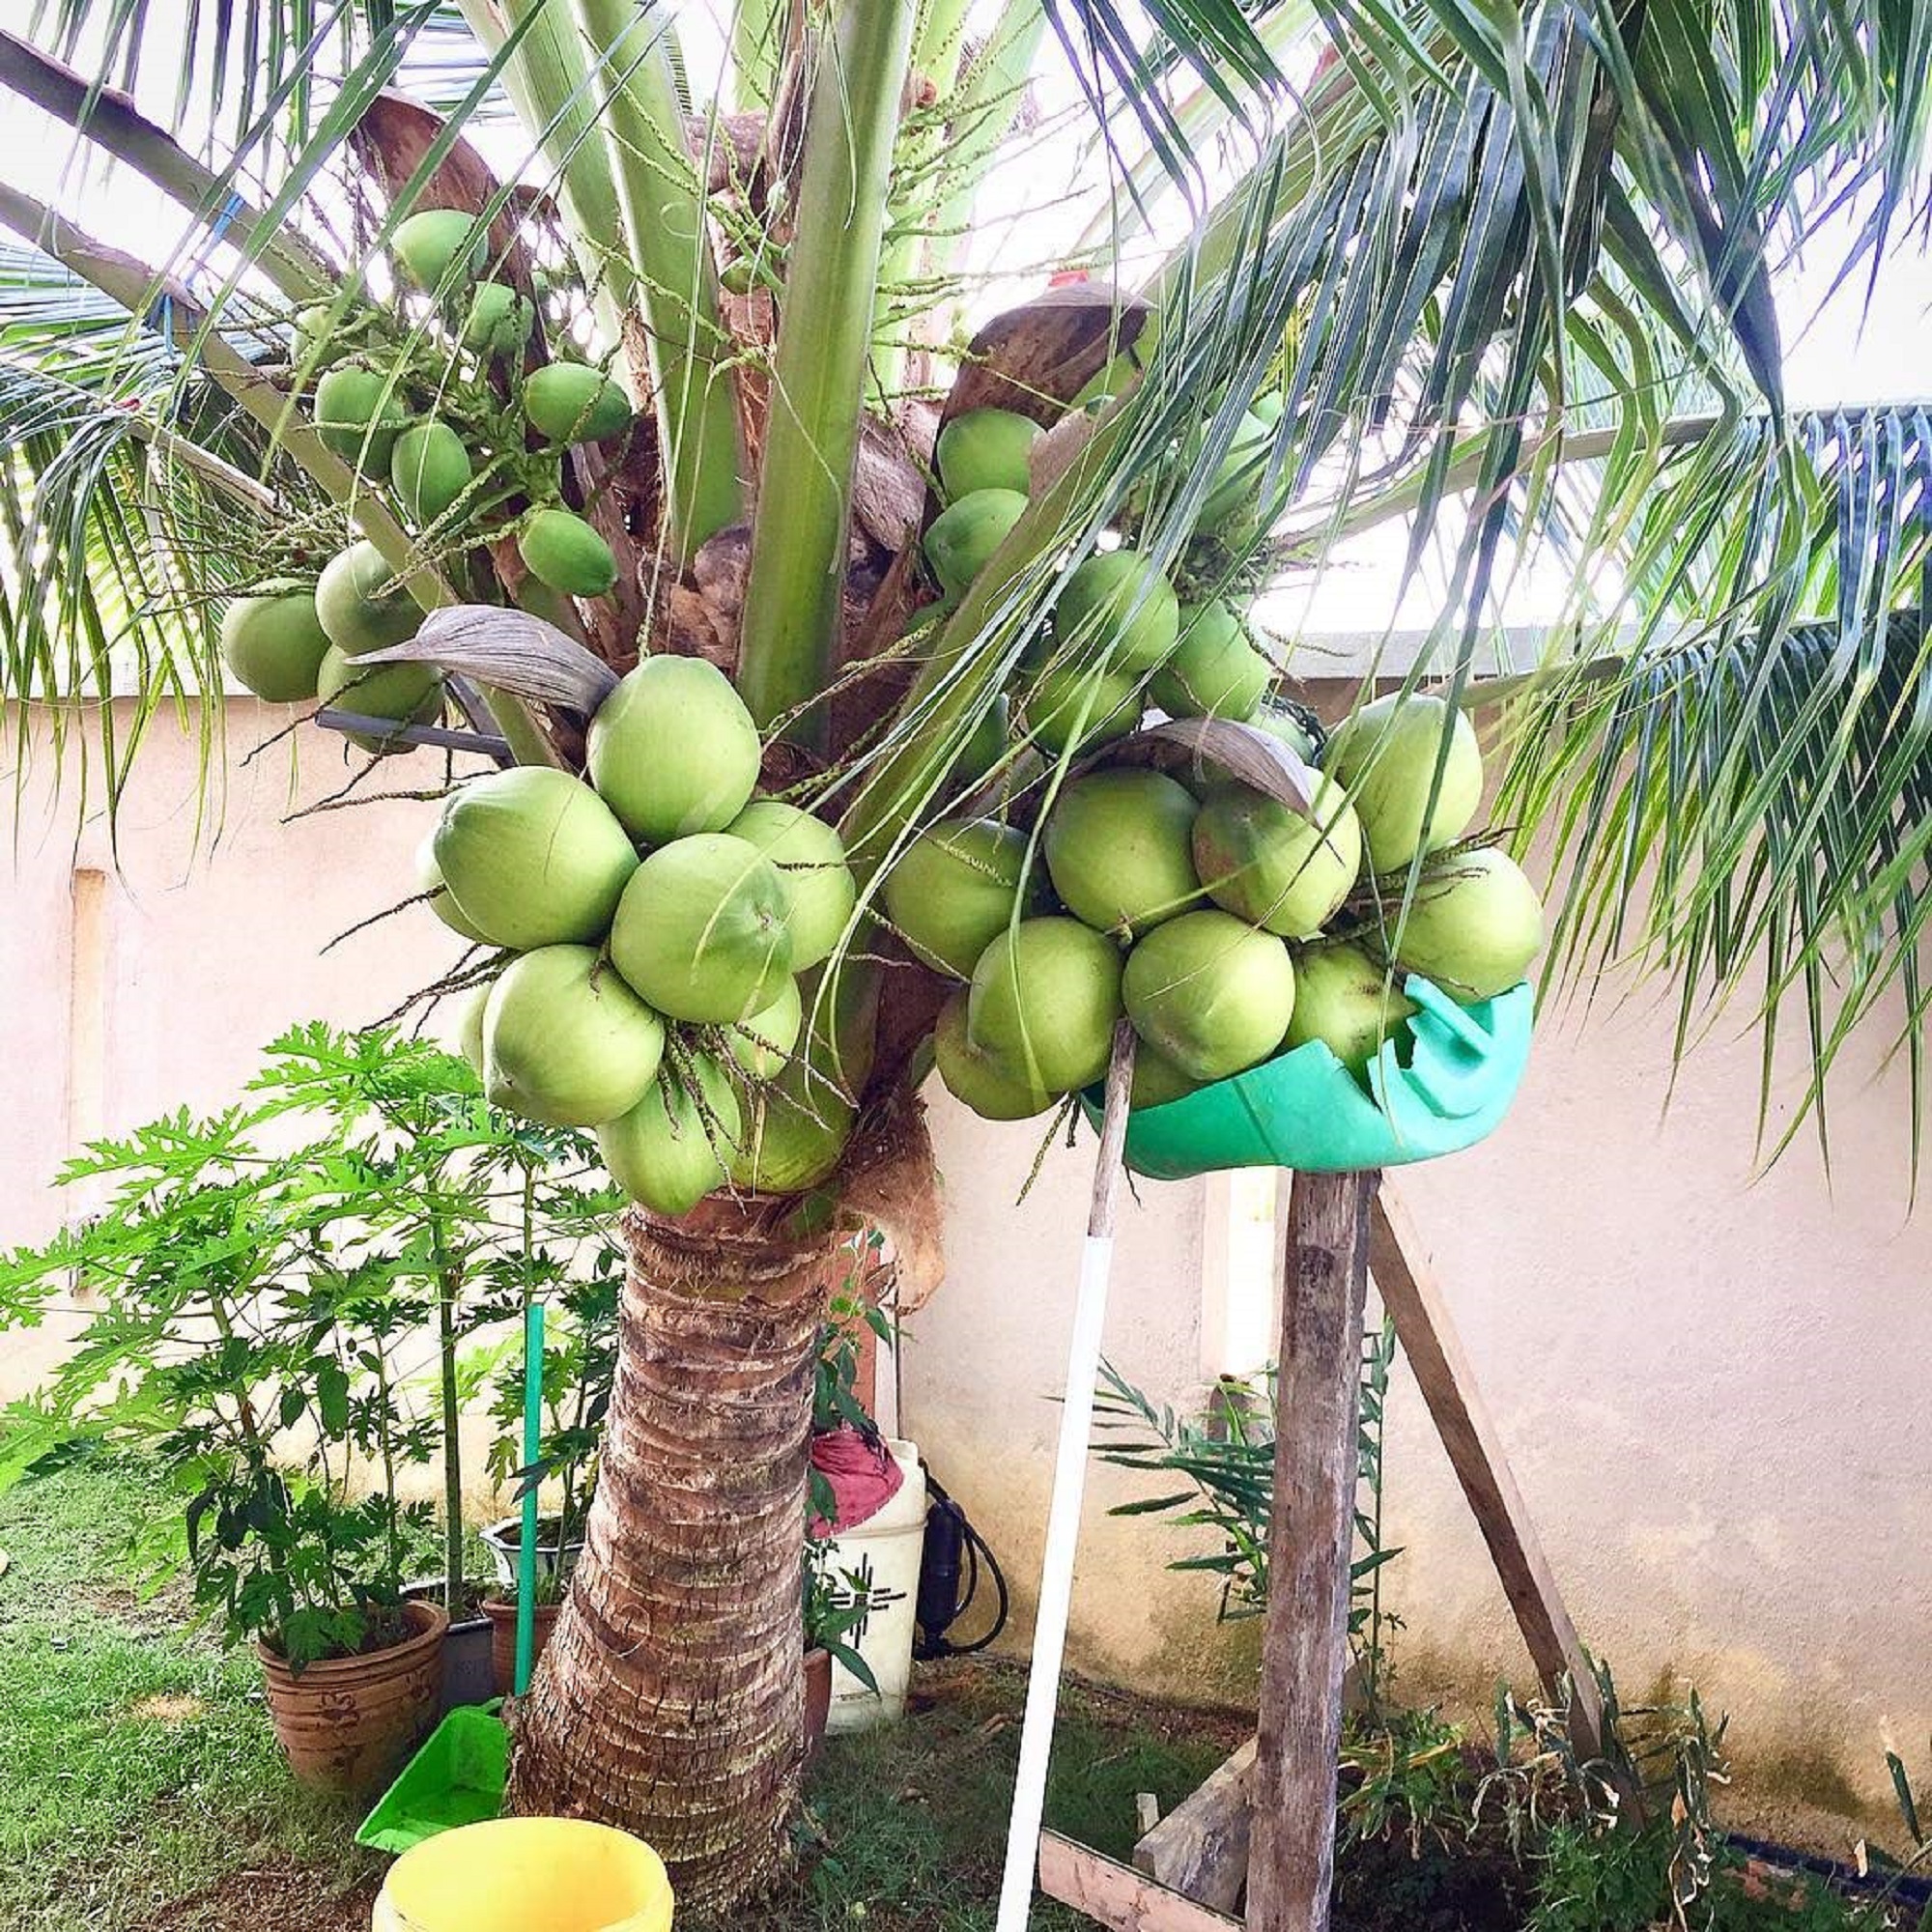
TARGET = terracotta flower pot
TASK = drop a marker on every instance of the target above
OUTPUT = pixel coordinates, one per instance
(817, 1700)
(347, 1722)
(503, 1638)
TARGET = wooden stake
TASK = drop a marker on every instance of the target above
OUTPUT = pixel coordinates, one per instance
(1324, 1274)
(1416, 1305)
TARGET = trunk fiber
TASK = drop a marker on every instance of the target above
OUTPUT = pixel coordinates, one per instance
(670, 1699)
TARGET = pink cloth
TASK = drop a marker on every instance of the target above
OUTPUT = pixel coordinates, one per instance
(863, 1477)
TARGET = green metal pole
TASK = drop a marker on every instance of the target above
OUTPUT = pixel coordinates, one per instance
(526, 1548)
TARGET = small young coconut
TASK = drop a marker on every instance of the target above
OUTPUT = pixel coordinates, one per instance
(1273, 865)
(951, 891)
(1475, 925)
(985, 449)
(671, 1150)
(533, 857)
(974, 1076)
(1349, 1001)
(1117, 613)
(701, 930)
(1119, 849)
(1209, 993)
(566, 1042)
(1385, 757)
(673, 750)
(811, 859)
(1044, 999)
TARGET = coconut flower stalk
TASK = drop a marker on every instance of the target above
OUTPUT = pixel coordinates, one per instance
(1435, 247)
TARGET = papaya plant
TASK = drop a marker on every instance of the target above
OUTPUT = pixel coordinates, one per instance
(702, 392)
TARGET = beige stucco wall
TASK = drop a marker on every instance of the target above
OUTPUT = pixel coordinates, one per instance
(1714, 1392)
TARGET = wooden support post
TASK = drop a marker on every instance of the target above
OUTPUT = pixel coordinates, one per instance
(1434, 1353)
(1324, 1276)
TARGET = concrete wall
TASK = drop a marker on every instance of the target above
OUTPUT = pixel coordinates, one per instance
(1713, 1388)
(1714, 1392)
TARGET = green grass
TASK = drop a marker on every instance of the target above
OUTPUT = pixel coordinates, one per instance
(141, 1789)
(140, 1769)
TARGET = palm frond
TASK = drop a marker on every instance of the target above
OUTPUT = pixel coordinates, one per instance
(1742, 796)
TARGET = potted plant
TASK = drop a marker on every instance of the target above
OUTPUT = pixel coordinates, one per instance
(257, 1309)
(579, 1359)
(831, 1613)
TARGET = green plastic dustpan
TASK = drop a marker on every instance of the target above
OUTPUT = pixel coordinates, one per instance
(1448, 1088)
(456, 1779)
(459, 1775)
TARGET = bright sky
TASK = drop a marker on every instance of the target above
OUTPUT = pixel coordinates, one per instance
(1034, 209)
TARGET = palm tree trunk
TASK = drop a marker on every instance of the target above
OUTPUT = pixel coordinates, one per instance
(670, 1699)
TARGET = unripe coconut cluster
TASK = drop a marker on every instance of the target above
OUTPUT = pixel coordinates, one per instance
(431, 402)
(1120, 634)
(657, 916)
(1227, 925)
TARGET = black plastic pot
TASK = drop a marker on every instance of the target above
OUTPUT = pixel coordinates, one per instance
(468, 1676)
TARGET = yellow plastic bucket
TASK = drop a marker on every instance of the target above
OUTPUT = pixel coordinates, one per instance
(527, 1875)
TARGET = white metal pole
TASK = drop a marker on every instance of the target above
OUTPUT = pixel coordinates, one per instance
(1063, 1520)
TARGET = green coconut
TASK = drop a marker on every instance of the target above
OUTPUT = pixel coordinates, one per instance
(1475, 925)
(1119, 849)
(533, 857)
(950, 892)
(1157, 1080)
(470, 1025)
(1070, 707)
(566, 1042)
(1234, 501)
(1279, 721)
(1347, 1000)
(965, 536)
(430, 470)
(789, 1143)
(358, 413)
(1210, 993)
(561, 549)
(1118, 613)
(985, 449)
(811, 859)
(429, 881)
(1044, 999)
(1215, 671)
(764, 1044)
(974, 1076)
(356, 609)
(702, 932)
(498, 321)
(1272, 866)
(404, 693)
(274, 643)
(673, 750)
(669, 1151)
(1386, 756)
(438, 245)
(571, 401)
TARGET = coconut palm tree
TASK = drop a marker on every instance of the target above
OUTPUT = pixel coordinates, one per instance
(1505, 274)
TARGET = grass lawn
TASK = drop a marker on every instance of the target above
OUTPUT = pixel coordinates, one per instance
(143, 1790)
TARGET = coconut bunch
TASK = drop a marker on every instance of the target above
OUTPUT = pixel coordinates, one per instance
(429, 399)
(657, 915)
(1119, 634)
(1224, 925)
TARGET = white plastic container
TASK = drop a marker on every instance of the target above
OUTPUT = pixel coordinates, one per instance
(877, 1562)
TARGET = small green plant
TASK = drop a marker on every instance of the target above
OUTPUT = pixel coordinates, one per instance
(262, 1297)
(1226, 1458)
(833, 1613)
(1407, 1775)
